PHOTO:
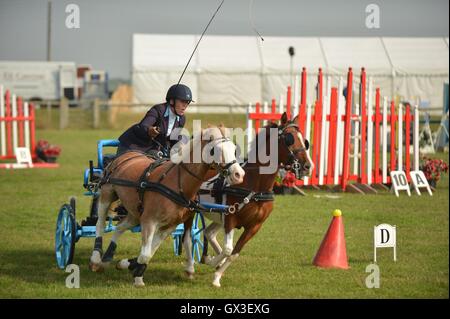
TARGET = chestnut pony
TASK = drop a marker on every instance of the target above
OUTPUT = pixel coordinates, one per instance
(253, 198)
(159, 194)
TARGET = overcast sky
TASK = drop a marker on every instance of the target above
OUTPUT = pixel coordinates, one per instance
(106, 26)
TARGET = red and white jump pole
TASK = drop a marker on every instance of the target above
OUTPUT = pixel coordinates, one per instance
(328, 122)
(17, 129)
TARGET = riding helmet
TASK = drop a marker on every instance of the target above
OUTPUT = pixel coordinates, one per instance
(179, 91)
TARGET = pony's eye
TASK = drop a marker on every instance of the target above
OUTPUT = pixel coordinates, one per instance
(289, 139)
(211, 152)
(307, 144)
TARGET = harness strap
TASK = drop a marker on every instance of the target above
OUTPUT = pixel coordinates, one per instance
(145, 174)
(183, 166)
(243, 193)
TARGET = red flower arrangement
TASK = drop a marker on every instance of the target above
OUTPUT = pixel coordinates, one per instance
(46, 152)
(432, 168)
(289, 179)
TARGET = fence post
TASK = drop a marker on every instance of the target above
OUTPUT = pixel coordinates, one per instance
(49, 115)
(63, 113)
(96, 113)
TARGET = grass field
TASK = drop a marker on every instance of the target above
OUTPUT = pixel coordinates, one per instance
(274, 264)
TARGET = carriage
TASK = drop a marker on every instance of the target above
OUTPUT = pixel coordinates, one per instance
(69, 231)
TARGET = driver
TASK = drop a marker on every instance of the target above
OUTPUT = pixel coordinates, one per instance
(152, 133)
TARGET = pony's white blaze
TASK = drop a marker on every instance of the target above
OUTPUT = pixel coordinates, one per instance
(224, 153)
(308, 158)
(236, 172)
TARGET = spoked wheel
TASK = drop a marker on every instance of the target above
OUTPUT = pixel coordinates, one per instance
(65, 235)
(199, 242)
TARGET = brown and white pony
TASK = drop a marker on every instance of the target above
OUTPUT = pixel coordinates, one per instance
(292, 149)
(156, 213)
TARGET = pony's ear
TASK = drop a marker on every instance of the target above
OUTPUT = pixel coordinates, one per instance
(226, 131)
(284, 119)
(295, 119)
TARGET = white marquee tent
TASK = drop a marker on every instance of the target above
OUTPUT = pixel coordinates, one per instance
(236, 70)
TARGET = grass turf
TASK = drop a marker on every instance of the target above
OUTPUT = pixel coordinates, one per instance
(276, 263)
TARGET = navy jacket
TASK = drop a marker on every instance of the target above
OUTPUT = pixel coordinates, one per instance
(137, 137)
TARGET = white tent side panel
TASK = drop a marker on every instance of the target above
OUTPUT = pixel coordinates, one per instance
(229, 89)
(418, 55)
(161, 51)
(228, 54)
(429, 88)
(151, 86)
(307, 53)
(343, 53)
(235, 70)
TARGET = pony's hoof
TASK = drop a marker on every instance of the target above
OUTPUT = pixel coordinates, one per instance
(139, 282)
(96, 267)
(216, 281)
(189, 275)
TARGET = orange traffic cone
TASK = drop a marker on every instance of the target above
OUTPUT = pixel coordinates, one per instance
(332, 252)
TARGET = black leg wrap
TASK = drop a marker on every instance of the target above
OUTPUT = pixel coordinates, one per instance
(109, 254)
(139, 270)
(98, 245)
(133, 264)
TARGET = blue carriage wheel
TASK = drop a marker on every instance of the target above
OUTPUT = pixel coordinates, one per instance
(65, 236)
(199, 242)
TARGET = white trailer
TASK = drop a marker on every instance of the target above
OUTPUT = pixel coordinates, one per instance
(40, 80)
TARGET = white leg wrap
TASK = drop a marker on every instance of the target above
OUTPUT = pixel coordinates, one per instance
(123, 264)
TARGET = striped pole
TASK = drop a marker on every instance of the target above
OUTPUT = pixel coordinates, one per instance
(370, 132)
(362, 170)
(348, 114)
(332, 137)
(249, 127)
(377, 135)
(2, 123)
(384, 152)
(308, 133)
(400, 137)
(407, 140)
(416, 137)
(392, 120)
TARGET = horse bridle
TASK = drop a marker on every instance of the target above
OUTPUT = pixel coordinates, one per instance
(288, 139)
(223, 169)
